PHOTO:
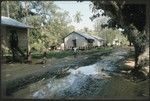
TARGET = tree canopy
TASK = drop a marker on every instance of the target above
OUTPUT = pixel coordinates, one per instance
(50, 24)
(132, 18)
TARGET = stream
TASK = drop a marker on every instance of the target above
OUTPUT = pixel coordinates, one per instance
(83, 81)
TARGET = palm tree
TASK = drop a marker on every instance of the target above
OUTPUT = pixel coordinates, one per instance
(7, 5)
(77, 17)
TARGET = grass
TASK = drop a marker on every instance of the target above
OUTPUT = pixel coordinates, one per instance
(62, 54)
(54, 54)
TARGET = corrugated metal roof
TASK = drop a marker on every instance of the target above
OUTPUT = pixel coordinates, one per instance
(98, 38)
(12, 22)
(88, 36)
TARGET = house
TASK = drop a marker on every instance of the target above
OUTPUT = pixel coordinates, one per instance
(82, 41)
(98, 41)
(61, 47)
(21, 30)
(116, 42)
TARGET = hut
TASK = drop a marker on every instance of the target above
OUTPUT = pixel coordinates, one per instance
(98, 41)
(116, 42)
(82, 41)
(10, 28)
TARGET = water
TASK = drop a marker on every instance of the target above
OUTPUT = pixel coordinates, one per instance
(79, 79)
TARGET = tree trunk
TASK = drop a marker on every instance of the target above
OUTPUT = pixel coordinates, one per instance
(142, 60)
(141, 46)
(140, 41)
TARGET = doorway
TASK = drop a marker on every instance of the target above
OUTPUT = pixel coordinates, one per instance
(74, 43)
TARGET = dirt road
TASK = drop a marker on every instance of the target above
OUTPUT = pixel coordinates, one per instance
(15, 76)
(98, 80)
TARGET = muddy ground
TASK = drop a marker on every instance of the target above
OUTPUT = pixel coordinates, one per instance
(17, 76)
(113, 80)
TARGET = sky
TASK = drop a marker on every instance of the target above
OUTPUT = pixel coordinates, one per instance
(72, 7)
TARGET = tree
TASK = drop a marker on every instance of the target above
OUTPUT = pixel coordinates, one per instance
(77, 17)
(99, 23)
(132, 18)
(11, 9)
(50, 25)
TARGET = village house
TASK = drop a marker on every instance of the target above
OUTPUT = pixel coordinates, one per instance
(7, 26)
(82, 41)
(118, 42)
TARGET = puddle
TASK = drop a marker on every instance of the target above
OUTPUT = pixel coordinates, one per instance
(79, 78)
(72, 82)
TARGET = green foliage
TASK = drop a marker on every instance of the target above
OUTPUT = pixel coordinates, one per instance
(110, 34)
(62, 54)
(50, 24)
(124, 15)
(54, 54)
(129, 16)
(106, 32)
(52, 32)
(11, 7)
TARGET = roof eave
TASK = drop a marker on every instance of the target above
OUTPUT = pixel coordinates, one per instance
(18, 26)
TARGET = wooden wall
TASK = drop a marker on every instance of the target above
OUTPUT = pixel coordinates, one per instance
(22, 38)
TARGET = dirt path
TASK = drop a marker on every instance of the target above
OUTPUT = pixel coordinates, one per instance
(87, 81)
(16, 76)
(84, 81)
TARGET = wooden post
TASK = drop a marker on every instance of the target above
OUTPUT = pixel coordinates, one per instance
(28, 42)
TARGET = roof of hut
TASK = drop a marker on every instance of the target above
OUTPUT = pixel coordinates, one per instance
(12, 22)
(97, 37)
(88, 36)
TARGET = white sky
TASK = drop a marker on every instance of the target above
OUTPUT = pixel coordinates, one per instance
(72, 7)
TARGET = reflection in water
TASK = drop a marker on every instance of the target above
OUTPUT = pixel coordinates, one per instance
(79, 78)
(73, 82)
